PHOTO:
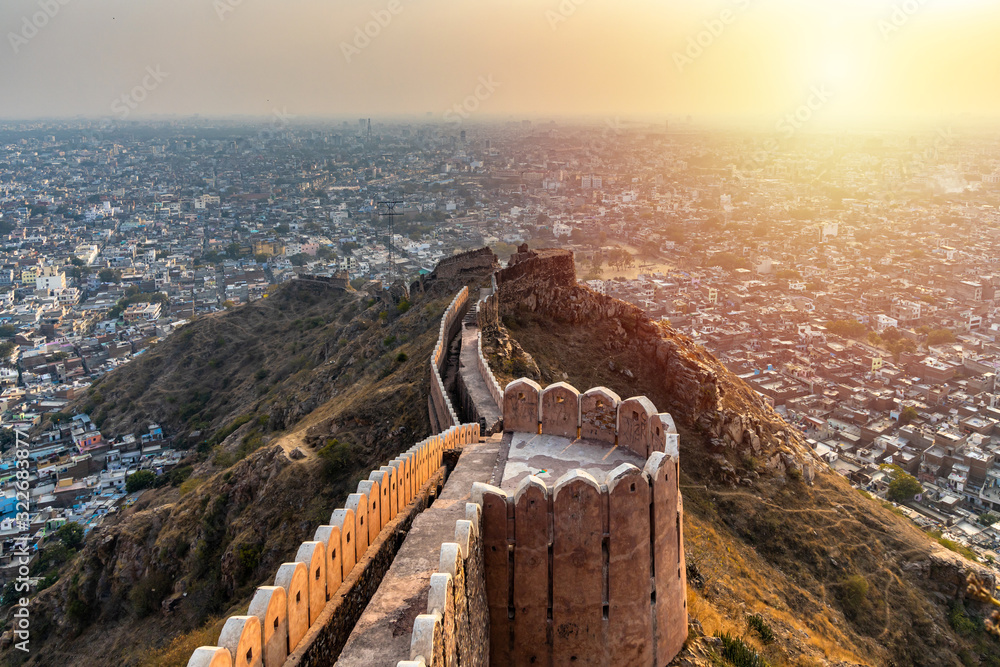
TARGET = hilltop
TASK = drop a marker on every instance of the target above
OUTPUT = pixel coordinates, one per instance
(769, 530)
(284, 404)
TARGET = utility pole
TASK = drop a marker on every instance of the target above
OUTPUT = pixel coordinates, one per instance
(387, 209)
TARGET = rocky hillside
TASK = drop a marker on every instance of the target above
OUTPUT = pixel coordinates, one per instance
(285, 403)
(837, 577)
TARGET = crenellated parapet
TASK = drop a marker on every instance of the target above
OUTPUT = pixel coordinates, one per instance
(454, 627)
(321, 588)
(598, 414)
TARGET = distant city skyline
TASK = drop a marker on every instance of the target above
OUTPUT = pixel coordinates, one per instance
(814, 64)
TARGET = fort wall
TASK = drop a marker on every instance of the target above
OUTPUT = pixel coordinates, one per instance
(305, 615)
(442, 412)
(587, 572)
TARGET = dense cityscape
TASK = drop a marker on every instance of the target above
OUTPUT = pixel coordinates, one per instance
(849, 279)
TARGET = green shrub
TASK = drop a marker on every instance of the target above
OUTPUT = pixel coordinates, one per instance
(960, 621)
(337, 456)
(140, 480)
(757, 623)
(739, 653)
(401, 357)
(854, 593)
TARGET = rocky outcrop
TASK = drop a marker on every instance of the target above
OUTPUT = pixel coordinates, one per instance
(702, 392)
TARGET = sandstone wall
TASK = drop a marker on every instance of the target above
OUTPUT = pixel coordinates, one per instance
(306, 616)
(442, 412)
(587, 573)
(483, 308)
(454, 632)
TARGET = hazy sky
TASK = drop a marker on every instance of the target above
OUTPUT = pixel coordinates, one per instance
(848, 58)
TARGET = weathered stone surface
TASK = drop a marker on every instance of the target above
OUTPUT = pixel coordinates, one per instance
(668, 557)
(373, 493)
(241, 637)
(427, 641)
(210, 656)
(451, 562)
(313, 555)
(441, 601)
(663, 434)
(494, 503)
(270, 605)
(393, 503)
(531, 573)
(579, 632)
(476, 654)
(520, 406)
(560, 410)
(382, 477)
(630, 621)
(344, 520)
(599, 414)
(294, 579)
(330, 537)
(634, 420)
(358, 504)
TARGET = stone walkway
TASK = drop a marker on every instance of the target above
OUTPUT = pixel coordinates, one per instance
(473, 379)
(382, 635)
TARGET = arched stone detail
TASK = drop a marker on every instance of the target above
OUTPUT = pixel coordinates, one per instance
(497, 567)
(630, 620)
(663, 434)
(241, 636)
(599, 415)
(382, 478)
(393, 473)
(441, 601)
(270, 605)
(295, 580)
(210, 656)
(521, 406)
(427, 640)
(313, 555)
(560, 410)
(345, 521)
(578, 571)
(330, 537)
(372, 492)
(358, 504)
(634, 417)
(669, 572)
(531, 563)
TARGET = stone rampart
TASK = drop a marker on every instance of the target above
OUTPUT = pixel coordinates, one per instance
(305, 616)
(442, 412)
(454, 630)
(482, 308)
(588, 572)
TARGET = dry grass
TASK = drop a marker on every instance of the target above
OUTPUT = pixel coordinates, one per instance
(178, 652)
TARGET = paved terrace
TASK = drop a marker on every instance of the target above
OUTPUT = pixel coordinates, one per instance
(549, 457)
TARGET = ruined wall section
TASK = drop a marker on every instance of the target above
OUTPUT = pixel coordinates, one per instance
(307, 612)
(470, 264)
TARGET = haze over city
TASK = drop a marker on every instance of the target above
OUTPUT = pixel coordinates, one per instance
(882, 59)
